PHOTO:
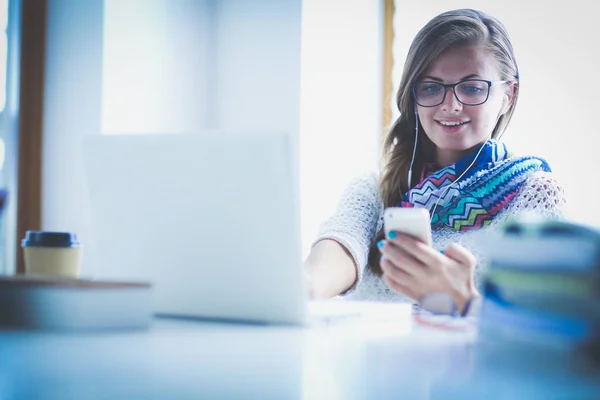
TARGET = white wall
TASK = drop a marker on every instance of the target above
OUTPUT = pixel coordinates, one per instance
(186, 66)
(558, 56)
(258, 61)
(156, 69)
(72, 105)
(341, 107)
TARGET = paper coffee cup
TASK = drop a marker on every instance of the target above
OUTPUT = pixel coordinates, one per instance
(52, 253)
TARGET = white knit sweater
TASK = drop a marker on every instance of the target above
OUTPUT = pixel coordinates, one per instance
(359, 217)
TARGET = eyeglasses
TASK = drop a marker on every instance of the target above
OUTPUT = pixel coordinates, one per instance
(472, 92)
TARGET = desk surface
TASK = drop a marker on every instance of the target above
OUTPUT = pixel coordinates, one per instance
(180, 359)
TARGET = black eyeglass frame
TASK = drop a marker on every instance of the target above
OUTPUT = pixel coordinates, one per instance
(453, 87)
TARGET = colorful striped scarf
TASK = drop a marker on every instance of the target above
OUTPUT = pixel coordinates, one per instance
(483, 191)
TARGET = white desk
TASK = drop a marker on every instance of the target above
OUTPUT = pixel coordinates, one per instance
(181, 359)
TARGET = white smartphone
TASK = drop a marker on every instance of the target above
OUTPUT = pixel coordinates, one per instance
(410, 221)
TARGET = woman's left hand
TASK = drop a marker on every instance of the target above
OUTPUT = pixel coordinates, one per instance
(415, 269)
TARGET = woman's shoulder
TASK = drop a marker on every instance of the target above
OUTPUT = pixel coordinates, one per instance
(365, 183)
(544, 180)
(544, 185)
(361, 193)
(542, 192)
(537, 171)
(541, 176)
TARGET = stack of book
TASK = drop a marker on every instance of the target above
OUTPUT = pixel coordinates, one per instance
(542, 283)
(38, 302)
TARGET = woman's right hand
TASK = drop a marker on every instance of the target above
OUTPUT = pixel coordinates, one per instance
(415, 269)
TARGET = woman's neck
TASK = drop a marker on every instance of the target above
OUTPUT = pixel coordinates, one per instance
(449, 157)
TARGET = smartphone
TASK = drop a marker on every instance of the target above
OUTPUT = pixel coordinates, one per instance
(410, 221)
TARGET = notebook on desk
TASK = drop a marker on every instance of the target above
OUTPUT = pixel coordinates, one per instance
(212, 220)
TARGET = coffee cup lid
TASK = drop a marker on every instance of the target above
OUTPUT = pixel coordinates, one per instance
(49, 239)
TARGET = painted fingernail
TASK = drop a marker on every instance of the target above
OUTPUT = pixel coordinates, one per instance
(380, 244)
(442, 251)
(392, 235)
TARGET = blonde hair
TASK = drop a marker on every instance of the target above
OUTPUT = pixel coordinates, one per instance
(451, 28)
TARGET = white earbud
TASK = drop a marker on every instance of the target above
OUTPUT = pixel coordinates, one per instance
(415, 147)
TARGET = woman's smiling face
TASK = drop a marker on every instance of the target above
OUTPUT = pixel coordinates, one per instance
(457, 129)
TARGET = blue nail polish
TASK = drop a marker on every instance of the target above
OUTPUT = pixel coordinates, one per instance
(392, 235)
(380, 244)
(442, 251)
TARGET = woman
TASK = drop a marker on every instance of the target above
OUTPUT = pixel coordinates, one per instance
(457, 94)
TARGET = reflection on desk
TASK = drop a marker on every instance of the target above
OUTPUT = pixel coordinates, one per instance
(208, 360)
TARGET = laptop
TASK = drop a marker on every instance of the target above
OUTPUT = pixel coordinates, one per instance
(212, 220)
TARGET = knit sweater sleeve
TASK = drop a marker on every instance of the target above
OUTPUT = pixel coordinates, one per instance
(354, 223)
